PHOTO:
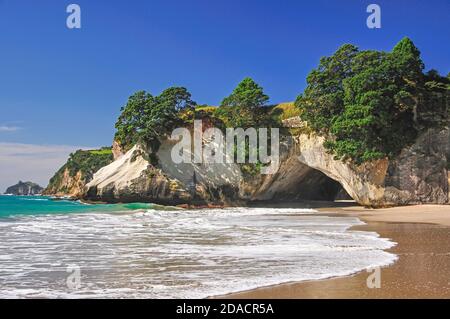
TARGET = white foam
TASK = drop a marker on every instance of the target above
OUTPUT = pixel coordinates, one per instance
(180, 254)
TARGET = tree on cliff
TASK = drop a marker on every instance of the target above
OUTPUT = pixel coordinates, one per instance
(146, 117)
(248, 95)
(435, 107)
(245, 107)
(369, 104)
(323, 98)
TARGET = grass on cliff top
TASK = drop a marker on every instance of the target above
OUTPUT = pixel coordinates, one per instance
(103, 151)
(285, 110)
(206, 108)
(86, 162)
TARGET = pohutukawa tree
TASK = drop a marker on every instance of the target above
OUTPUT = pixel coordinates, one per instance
(245, 107)
(147, 118)
(371, 104)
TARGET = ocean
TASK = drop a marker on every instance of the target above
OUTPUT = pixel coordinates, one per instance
(66, 249)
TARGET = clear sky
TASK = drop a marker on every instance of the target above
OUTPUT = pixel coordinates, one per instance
(65, 87)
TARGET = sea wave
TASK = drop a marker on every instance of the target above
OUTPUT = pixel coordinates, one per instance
(33, 199)
(180, 254)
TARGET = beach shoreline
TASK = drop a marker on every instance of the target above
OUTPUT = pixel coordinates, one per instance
(422, 234)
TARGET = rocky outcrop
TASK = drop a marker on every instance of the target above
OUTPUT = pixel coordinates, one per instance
(66, 184)
(24, 189)
(117, 150)
(294, 180)
(418, 175)
(307, 171)
(132, 177)
(70, 180)
(448, 178)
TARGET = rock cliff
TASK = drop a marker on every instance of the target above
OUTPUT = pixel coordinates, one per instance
(418, 175)
(307, 171)
(70, 180)
(24, 189)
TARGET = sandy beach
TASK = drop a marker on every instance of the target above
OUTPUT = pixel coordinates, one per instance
(422, 234)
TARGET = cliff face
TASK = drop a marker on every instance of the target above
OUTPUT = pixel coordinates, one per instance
(71, 179)
(418, 175)
(307, 171)
(117, 150)
(24, 189)
(66, 183)
(132, 178)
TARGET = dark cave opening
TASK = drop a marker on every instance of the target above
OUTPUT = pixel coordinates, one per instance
(313, 185)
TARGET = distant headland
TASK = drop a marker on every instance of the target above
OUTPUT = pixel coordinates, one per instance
(24, 189)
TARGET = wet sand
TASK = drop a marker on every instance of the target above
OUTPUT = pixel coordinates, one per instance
(422, 234)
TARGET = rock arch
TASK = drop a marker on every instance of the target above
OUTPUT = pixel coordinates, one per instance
(418, 175)
(307, 171)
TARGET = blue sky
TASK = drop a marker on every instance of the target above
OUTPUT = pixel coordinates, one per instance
(66, 87)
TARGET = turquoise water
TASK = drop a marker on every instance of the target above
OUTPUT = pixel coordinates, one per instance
(38, 205)
(145, 251)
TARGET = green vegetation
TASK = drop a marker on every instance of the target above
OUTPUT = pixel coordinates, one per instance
(371, 104)
(284, 111)
(102, 151)
(24, 188)
(87, 162)
(245, 107)
(436, 95)
(146, 118)
(206, 109)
